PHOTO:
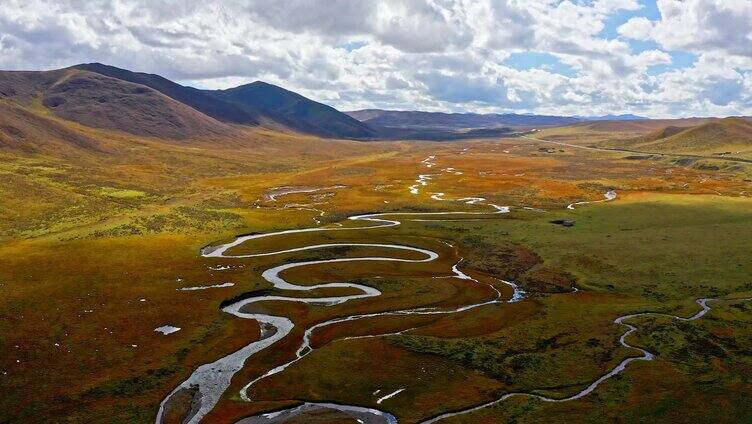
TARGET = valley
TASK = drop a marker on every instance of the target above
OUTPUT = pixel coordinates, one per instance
(247, 273)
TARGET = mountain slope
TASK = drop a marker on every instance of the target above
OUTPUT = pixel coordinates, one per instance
(102, 102)
(639, 127)
(25, 86)
(22, 131)
(295, 111)
(193, 97)
(99, 101)
(719, 136)
(257, 103)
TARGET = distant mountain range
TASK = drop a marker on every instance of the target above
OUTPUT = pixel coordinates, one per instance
(625, 117)
(106, 97)
(250, 104)
(435, 120)
(102, 96)
(389, 121)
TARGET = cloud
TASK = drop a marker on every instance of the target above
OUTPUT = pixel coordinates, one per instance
(637, 28)
(391, 22)
(462, 89)
(651, 58)
(698, 26)
(413, 54)
(721, 92)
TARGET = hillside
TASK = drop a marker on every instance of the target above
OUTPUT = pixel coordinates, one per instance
(638, 126)
(618, 134)
(193, 97)
(723, 136)
(295, 111)
(664, 132)
(106, 97)
(258, 103)
(100, 101)
(22, 131)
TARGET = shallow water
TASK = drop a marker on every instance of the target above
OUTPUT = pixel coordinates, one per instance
(211, 380)
(167, 329)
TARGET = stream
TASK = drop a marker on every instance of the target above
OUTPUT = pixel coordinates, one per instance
(209, 381)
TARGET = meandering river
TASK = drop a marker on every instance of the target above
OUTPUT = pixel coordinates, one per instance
(209, 381)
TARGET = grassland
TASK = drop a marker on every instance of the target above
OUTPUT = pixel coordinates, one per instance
(96, 246)
(710, 143)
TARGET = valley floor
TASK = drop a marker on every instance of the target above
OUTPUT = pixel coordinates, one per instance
(101, 250)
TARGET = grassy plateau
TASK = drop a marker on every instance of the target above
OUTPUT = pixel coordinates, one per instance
(99, 239)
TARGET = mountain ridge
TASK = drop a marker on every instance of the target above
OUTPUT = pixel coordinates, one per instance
(99, 101)
(295, 110)
(142, 104)
(107, 97)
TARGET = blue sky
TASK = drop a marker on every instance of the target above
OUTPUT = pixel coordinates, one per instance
(656, 58)
(526, 60)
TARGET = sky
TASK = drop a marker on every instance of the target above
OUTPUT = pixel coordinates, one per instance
(664, 58)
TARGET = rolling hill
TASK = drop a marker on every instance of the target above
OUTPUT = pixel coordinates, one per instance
(638, 127)
(720, 137)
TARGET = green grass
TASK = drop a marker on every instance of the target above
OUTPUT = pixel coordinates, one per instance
(662, 247)
(125, 230)
(121, 193)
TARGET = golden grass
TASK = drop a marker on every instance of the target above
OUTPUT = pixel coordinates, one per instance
(98, 232)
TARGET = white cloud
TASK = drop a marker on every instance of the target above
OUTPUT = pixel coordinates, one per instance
(651, 58)
(699, 26)
(408, 54)
(637, 28)
(721, 26)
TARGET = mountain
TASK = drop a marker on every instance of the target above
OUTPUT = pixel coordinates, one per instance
(473, 120)
(100, 101)
(23, 131)
(296, 111)
(193, 97)
(105, 97)
(102, 96)
(251, 104)
(624, 117)
(439, 120)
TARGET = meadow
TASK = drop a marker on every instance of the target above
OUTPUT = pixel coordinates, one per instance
(96, 249)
